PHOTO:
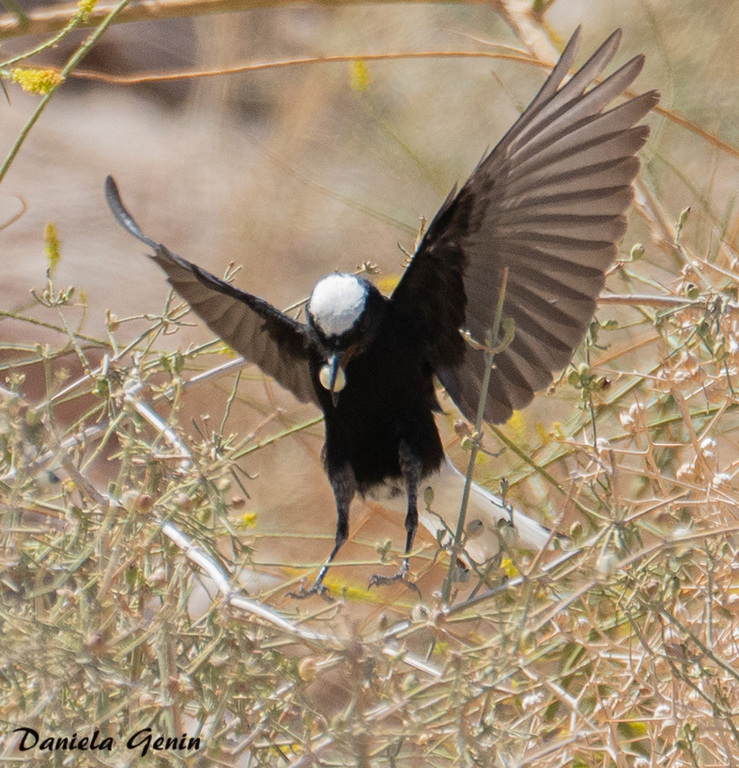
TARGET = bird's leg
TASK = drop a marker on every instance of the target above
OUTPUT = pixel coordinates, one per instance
(411, 469)
(344, 487)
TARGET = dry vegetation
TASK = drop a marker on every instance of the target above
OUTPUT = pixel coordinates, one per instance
(139, 589)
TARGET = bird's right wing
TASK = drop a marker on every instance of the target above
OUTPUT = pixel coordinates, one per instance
(279, 345)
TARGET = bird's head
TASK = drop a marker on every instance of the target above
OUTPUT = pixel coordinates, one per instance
(343, 313)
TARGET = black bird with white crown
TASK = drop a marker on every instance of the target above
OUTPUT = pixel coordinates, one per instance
(548, 205)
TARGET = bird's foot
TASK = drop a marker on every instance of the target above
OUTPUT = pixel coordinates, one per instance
(318, 588)
(402, 576)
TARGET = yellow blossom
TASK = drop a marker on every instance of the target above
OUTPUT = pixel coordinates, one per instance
(52, 247)
(359, 76)
(86, 7)
(509, 568)
(516, 426)
(545, 437)
(247, 520)
(33, 80)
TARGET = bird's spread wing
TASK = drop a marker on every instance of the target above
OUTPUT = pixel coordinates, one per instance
(279, 345)
(548, 203)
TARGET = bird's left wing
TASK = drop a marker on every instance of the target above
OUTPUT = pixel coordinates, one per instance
(279, 345)
(548, 203)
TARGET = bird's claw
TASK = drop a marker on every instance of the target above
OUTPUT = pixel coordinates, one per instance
(318, 588)
(401, 576)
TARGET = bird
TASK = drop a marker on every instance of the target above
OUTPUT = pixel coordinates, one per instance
(543, 210)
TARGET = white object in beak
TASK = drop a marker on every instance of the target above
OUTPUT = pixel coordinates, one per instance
(325, 379)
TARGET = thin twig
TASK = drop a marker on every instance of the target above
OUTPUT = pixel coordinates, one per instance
(491, 339)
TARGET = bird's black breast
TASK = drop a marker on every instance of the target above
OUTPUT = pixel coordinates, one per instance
(389, 397)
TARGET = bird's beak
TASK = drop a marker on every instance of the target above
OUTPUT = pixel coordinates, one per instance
(333, 371)
(332, 376)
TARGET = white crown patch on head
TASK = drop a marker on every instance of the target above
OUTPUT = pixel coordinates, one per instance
(337, 302)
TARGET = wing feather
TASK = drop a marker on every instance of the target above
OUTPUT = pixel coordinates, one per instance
(548, 203)
(279, 345)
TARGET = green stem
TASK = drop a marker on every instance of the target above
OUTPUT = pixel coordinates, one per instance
(491, 338)
(73, 22)
(79, 54)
